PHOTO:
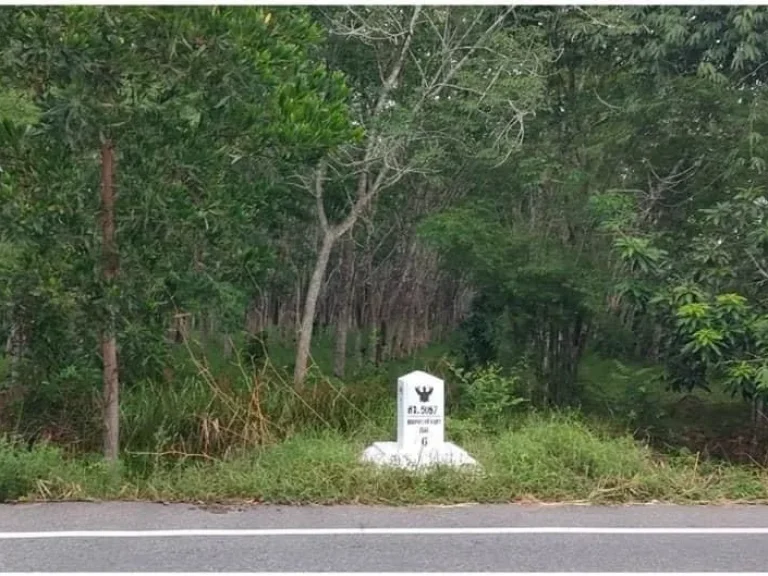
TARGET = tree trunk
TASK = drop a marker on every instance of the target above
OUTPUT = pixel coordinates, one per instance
(359, 354)
(342, 321)
(111, 399)
(228, 348)
(15, 347)
(254, 321)
(410, 345)
(310, 306)
(759, 422)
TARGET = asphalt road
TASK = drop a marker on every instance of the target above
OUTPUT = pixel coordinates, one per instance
(173, 538)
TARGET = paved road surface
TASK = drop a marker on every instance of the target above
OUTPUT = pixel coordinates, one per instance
(153, 537)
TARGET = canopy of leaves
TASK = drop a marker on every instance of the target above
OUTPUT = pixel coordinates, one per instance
(208, 110)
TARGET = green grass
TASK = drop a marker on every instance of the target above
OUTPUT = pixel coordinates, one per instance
(218, 430)
(557, 457)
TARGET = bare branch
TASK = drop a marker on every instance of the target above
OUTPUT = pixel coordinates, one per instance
(460, 64)
(606, 104)
(391, 80)
(320, 174)
(360, 205)
(419, 67)
(364, 30)
(440, 35)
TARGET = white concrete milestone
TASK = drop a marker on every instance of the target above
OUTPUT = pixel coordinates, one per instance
(420, 428)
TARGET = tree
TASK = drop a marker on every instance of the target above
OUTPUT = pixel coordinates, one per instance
(634, 136)
(122, 80)
(428, 61)
(693, 251)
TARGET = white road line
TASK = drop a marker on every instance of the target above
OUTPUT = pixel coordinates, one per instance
(454, 531)
(389, 573)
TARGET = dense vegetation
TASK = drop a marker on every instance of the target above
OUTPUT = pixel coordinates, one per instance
(225, 231)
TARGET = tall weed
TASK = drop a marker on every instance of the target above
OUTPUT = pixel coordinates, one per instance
(202, 413)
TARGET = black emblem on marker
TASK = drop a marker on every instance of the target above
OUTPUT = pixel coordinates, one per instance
(424, 393)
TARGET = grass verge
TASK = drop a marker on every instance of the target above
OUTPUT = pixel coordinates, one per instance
(557, 457)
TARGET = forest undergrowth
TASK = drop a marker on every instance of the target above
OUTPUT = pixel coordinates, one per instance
(237, 430)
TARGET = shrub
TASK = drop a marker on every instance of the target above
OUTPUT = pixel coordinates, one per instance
(22, 468)
(488, 394)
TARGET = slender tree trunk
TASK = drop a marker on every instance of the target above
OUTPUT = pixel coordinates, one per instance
(310, 306)
(411, 342)
(277, 313)
(297, 306)
(371, 347)
(342, 321)
(340, 344)
(359, 353)
(254, 322)
(111, 399)
(15, 346)
(330, 235)
(759, 422)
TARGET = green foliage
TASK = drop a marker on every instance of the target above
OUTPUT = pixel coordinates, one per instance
(532, 289)
(707, 303)
(17, 108)
(719, 340)
(640, 404)
(639, 254)
(722, 44)
(21, 470)
(488, 394)
(232, 96)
